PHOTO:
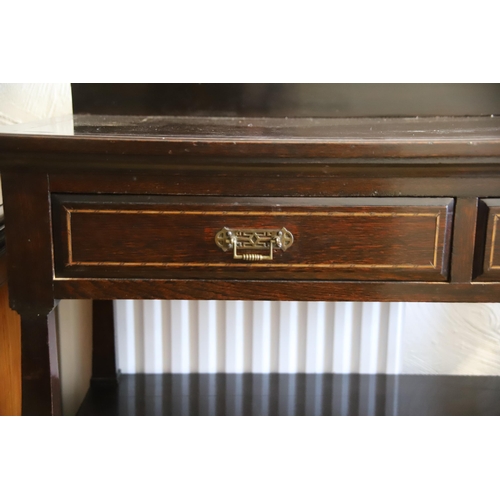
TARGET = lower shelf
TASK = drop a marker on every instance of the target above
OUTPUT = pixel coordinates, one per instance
(282, 394)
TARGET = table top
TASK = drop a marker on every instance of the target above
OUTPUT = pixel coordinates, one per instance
(191, 136)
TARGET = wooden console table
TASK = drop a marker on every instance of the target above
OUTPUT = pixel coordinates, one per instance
(144, 207)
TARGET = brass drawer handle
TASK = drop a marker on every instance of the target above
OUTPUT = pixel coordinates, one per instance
(253, 239)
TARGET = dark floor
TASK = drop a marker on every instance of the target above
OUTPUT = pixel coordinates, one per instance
(280, 394)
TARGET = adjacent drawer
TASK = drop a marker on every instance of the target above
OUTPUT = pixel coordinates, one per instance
(252, 238)
(487, 251)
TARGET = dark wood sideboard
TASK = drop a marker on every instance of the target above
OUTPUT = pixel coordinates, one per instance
(252, 208)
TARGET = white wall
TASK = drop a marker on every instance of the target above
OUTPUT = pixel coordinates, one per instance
(433, 338)
(455, 339)
(25, 102)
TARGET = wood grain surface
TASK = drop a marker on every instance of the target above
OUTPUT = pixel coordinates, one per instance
(85, 217)
(104, 362)
(491, 241)
(295, 394)
(29, 260)
(10, 351)
(279, 138)
(386, 291)
(340, 238)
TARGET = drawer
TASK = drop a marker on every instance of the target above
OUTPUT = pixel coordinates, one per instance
(487, 252)
(252, 238)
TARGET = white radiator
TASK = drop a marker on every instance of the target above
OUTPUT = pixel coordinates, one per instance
(182, 336)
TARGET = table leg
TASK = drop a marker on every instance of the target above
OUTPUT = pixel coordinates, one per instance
(104, 370)
(28, 237)
(41, 389)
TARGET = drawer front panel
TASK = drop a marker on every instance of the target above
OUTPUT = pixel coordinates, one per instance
(329, 238)
(488, 244)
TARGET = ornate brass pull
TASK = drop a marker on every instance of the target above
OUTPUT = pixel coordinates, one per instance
(253, 239)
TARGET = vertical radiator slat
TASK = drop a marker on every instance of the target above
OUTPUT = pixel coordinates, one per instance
(180, 324)
(315, 337)
(288, 337)
(261, 345)
(342, 337)
(370, 337)
(166, 307)
(235, 337)
(207, 336)
(394, 337)
(152, 335)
